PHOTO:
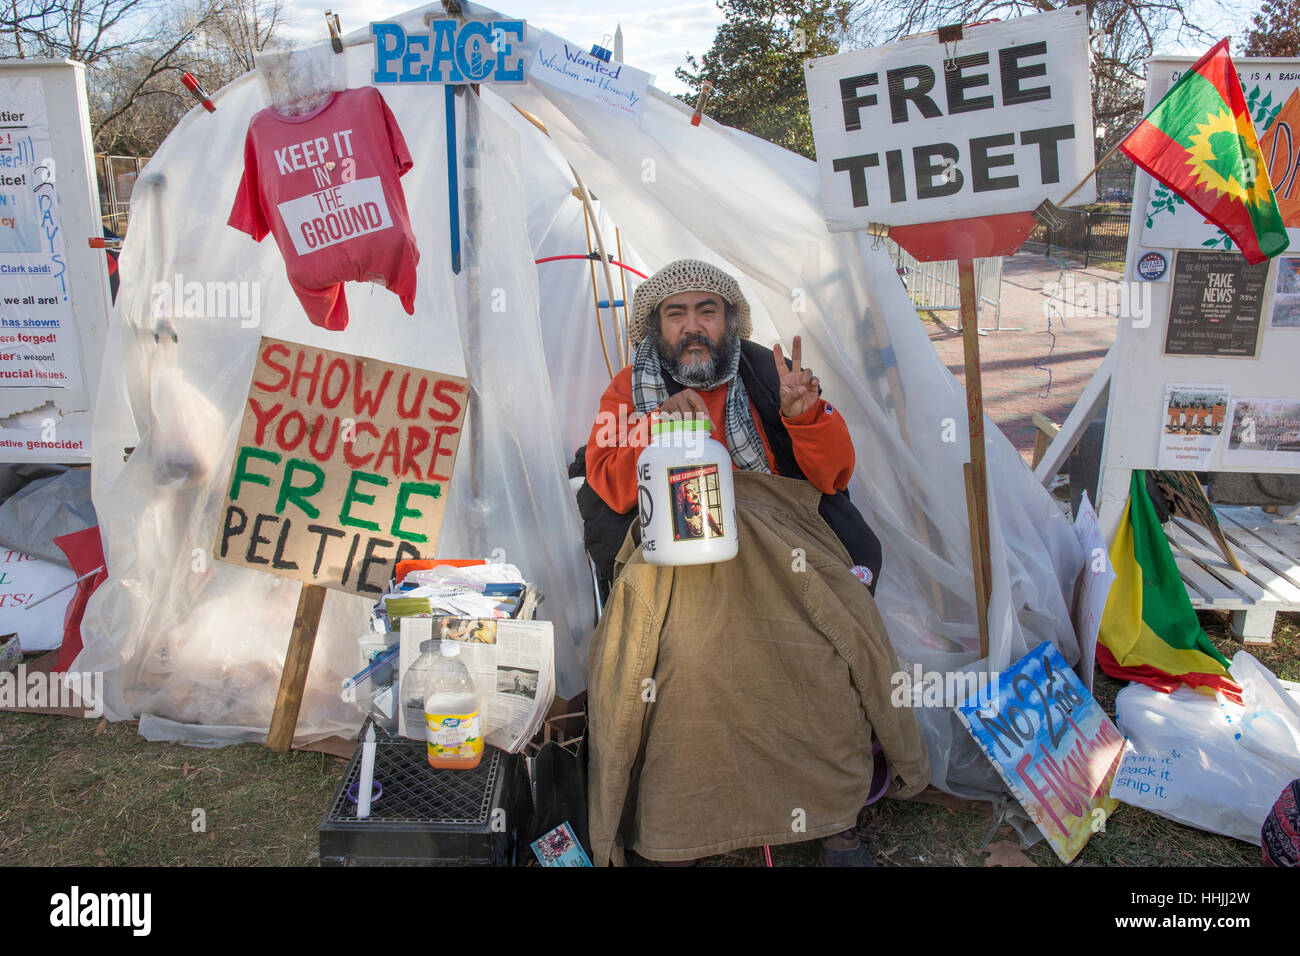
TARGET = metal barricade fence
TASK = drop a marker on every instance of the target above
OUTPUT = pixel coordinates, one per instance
(934, 285)
(116, 176)
(1086, 235)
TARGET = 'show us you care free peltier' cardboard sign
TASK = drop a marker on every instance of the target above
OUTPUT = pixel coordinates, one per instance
(342, 467)
(930, 131)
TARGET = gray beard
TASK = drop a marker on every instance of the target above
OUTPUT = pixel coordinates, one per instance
(697, 375)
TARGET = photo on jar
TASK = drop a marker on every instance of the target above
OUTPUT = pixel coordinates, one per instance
(697, 503)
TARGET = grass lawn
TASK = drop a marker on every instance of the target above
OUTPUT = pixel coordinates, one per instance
(93, 793)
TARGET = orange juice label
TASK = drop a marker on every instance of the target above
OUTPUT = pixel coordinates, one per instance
(454, 736)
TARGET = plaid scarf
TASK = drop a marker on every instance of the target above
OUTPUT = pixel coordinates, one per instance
(743, 441)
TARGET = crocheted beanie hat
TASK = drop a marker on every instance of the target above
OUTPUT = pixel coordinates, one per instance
(685, 275)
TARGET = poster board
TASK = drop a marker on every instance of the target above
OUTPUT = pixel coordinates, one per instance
(1053, 746)
(925, 131)
(55, 302)
(341, 469)
(1169, 234)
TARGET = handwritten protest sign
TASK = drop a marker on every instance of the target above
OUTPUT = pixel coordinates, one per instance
(342, 467)
(575, 70)
(1052, 745)
(38, 335)
(1094, 587)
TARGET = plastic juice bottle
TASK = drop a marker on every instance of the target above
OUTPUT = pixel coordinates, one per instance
(451, 713)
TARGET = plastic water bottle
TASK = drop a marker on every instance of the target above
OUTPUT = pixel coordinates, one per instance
(412, 688)
(451, 713)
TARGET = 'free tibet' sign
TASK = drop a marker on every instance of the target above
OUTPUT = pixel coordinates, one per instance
(450, 52)
(928, 131)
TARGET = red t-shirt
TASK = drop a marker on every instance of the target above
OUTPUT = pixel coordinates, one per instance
(326, 185)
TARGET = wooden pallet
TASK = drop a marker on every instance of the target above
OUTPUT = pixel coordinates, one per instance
(1268, 548)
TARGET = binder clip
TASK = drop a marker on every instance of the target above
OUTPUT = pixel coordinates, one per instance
(600, 51)
(336, 33)
(1047, 214)
(104, 242)
(950, 35)
(701, 102)
(199, 92)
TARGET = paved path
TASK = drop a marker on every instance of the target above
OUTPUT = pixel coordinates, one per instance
(1046, 365)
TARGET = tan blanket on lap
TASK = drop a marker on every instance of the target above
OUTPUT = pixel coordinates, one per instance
(732, 705)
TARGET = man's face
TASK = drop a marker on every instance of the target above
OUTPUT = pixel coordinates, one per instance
(692, 337)
(689, 506)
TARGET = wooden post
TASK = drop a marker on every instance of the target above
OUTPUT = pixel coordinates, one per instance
(293, 679)
(977, 496)
(981, 583)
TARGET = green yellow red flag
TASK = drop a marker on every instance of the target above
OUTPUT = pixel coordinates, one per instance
(1200, 142)
(1149, 631)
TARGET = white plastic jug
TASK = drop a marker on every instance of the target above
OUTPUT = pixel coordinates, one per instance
(685, 495)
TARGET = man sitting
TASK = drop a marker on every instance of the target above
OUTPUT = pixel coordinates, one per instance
(750, 705)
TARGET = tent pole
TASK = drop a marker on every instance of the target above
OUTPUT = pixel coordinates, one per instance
(476, 537)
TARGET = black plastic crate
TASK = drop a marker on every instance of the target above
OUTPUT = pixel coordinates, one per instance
(427, 816)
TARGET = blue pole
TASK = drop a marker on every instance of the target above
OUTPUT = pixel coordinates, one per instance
(453, 187)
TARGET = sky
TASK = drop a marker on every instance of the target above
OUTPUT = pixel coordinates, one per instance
(657, 40)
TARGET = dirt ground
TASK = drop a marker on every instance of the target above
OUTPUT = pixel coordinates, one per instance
(93, 793)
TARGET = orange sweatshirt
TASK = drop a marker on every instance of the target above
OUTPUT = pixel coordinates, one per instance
(820, 437)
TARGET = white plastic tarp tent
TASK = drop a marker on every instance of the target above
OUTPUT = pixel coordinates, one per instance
(187, 641)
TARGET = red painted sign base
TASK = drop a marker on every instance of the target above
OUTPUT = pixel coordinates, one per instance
(977, 238)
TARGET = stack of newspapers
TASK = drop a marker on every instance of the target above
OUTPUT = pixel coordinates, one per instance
(486, 590)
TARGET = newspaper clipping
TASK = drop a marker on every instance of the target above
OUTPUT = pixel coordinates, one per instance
(512, 664)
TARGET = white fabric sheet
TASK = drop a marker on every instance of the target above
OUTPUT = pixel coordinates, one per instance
(204, 644)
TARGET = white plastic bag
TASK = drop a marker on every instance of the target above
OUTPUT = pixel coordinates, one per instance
(1206, 761)
(185, 429)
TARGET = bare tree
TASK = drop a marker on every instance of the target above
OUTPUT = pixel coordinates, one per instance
(136, 51)
(1124, 34)
(245, 28)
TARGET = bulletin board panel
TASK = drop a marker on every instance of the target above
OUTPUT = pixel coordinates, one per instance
(1267, 368)
(54, 291)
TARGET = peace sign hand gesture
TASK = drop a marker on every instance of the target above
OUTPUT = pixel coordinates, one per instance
(798, 386)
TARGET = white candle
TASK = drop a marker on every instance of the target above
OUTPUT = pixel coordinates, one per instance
(366, 783)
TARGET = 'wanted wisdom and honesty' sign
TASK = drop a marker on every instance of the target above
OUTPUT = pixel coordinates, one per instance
(342, 467)
(931, 131)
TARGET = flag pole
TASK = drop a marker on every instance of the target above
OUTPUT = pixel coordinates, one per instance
(1060, 203)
